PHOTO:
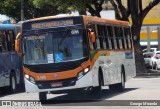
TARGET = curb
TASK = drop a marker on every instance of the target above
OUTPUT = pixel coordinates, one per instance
(149, 75)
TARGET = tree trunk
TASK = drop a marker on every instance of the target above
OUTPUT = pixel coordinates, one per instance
(97, 13)
(139, 59)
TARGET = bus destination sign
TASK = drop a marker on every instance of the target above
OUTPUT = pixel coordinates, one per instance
(51, 24)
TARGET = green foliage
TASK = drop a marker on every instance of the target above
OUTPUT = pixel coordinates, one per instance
(63, 5)
(10, 8)
(39, 8)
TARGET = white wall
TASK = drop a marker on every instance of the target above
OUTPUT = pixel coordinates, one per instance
(109, 14)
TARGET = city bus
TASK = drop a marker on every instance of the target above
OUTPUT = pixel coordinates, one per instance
(9, 60)
(69, 53)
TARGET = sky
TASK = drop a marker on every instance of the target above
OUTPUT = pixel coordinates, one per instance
(104, 14)
(3, 17)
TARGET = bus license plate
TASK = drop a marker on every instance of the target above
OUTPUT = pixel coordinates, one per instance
(56, 84)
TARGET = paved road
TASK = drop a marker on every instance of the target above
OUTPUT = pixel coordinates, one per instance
(136, 89)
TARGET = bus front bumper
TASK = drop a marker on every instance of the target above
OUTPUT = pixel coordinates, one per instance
(83, 82)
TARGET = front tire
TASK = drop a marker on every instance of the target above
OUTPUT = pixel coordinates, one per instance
(42, 96)
(97, 91)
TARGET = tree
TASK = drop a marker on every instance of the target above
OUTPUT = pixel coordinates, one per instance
(12, 8)
(93, 6)
(137, 13)
(133, 10)
(37, 8)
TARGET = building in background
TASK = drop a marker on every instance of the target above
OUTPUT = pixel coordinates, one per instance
(153, 13)
(152, 22)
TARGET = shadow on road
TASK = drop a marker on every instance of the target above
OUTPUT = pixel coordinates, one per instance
(83, 98)
(5, 91)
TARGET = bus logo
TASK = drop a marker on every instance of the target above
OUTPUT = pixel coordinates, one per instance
(55, 75)
(75, 32)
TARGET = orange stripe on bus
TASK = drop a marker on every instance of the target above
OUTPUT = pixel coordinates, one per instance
(61, 75)
(107, 52)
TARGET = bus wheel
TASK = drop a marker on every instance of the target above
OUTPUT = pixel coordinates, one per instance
(13, 83)
(97, 91)
(118, 87)
(121, 86)
(42, 96)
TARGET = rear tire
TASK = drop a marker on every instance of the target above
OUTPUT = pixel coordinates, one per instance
(42, 96)
(156, 67)
(13, 83)
(120, 86)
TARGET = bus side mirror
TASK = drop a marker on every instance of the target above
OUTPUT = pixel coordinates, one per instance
(17, 44)
(92, 37)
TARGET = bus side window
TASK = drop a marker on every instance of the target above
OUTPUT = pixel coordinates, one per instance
(130, 35)
(126, 37)
(101, 36)
(11, 40)
(110, 34)
(117, 37)
(114, 38)
(97, 43)
(3, 41)
(123, 39)
(106, 37)
(129, 38)
(109, 39)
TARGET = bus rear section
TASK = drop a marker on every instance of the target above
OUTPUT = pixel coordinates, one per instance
(9, 60)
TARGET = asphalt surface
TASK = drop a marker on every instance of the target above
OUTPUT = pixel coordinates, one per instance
(140, 89)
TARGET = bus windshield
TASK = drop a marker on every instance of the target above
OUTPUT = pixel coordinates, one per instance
(54, 47)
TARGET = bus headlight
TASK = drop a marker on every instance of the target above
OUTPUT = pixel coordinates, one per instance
(32, 80)
(86, 70)
(82, 73)
(26, 76)
(29, 78)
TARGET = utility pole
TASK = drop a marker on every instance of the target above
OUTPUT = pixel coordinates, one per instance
(148, 39)
(158, 30)
(22, 10)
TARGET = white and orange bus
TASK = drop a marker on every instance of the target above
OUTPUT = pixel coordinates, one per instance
(75, 52)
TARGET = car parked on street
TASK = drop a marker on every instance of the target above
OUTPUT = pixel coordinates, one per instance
(151, 50)
(154, 60)
(147, 59)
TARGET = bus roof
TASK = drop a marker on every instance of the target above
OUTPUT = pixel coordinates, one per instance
(7, 26)
(105, 21)
(86, 18)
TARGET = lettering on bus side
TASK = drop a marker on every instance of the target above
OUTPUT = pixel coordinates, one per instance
(51, 24)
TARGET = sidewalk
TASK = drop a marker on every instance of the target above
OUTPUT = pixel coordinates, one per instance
(151, 74)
